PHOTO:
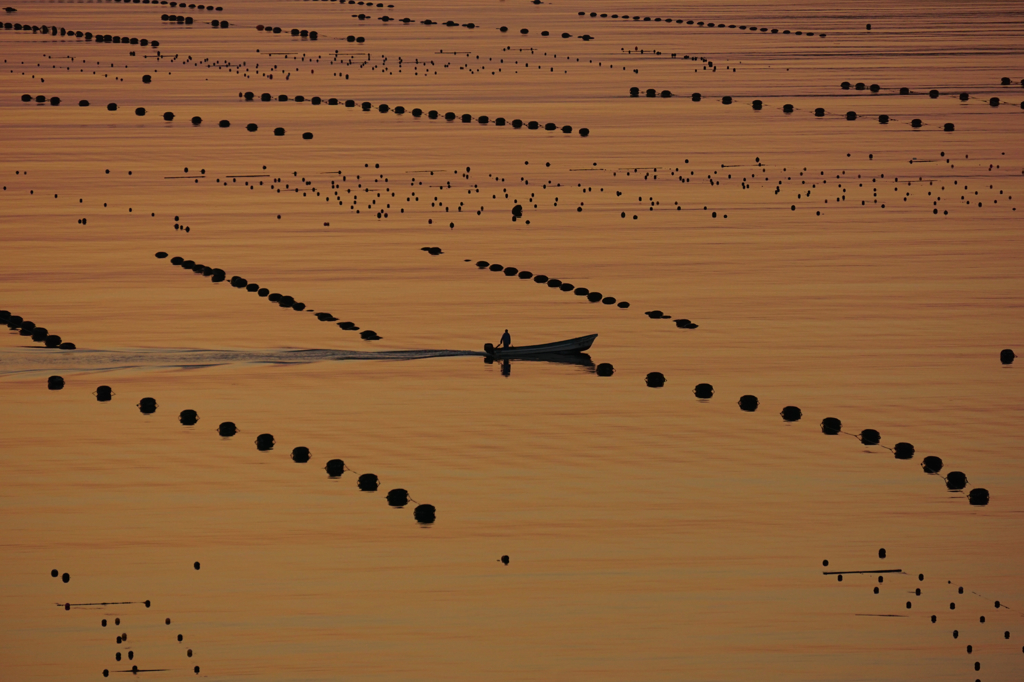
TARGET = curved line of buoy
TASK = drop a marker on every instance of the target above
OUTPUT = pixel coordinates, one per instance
(36, 333)
(87, 36)
(701, 24)
(218, 275)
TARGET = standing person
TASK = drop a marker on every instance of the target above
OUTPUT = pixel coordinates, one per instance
(506, 340)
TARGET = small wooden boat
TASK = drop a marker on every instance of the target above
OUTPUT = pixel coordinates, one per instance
(569, 346)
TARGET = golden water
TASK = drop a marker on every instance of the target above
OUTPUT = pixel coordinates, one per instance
(651, 535)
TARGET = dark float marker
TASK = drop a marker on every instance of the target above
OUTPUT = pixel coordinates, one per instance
(749, 403)
(655, 380)
(264, 442)
(399, 497)
(704, 391)
(147, 405)
(335, 468)
(227, 429)
(424, 513)
(368, 483)
(188, 417)
(791, 413)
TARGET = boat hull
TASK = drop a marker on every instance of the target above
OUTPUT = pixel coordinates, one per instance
(566, 347)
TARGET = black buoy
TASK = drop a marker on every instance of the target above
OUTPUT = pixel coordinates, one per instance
(655, 380)
(55, 383)
(399, 497)
(368, 483)
(147, 405)
(956, 480)
(188, 417)
(540, 279)
(608, 300)
(883, 119)
(695, 97)
(1006, 356)
(787, 108)
(140, 111)
(903, 451)
(704, 391)
(424, 513)
(104, 394)
(300, 455)
(605, 369)
(757, 105)
(931, 464)
(870, 437)
(791, 413)
(916, 123)
(147, 79)
(496, 267)
(504, 559)
(978, 497)
(749, 403)
(168, 115)
(227, 429)
(264, 442)
(197, 120)
(881, 554)
(819, 112)
(335, 468)
(831, 426)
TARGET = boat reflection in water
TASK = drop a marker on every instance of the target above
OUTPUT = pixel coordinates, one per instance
(581, 359)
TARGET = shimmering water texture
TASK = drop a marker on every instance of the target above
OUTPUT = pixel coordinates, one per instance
(253, 253)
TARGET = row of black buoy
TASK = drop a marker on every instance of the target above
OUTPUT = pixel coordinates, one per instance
(934, 94)
(819, 112)
(265, 442)
(592, 296)
(167, 115)
(831, 426)
(170, 116)
(586, 37)
(208, 8)
(432, 250)
(301, 33)
(100, 37)
(432, 114)
(177, 19)
(710, 24)
(30, 329)
(218, 275)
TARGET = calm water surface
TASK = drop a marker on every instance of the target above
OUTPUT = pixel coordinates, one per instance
(858, 270)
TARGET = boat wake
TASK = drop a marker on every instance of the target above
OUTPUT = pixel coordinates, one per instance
(21, 360)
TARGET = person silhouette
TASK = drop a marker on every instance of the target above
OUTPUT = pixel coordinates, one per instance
(506, 340)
